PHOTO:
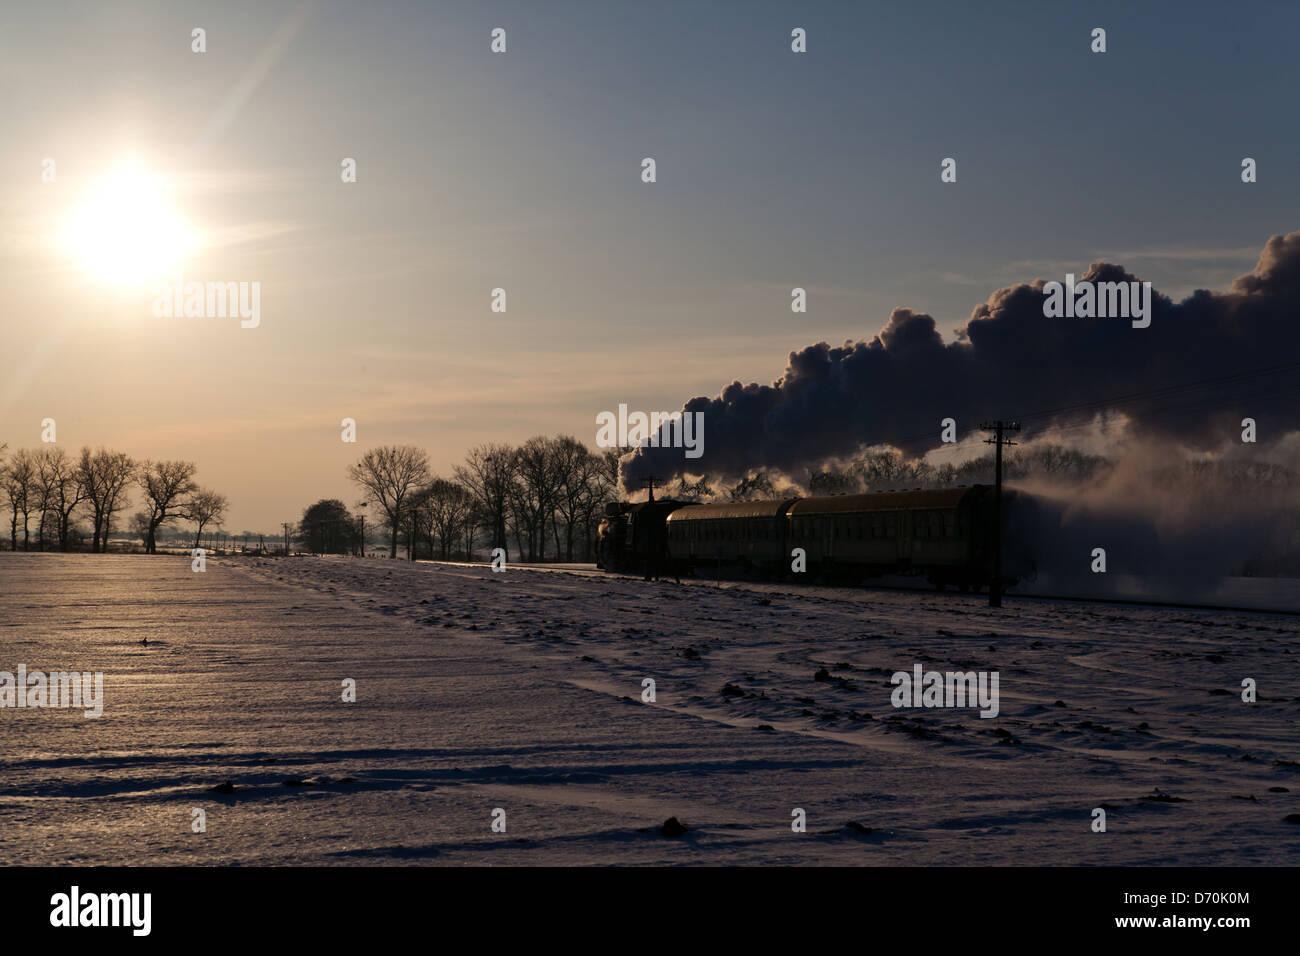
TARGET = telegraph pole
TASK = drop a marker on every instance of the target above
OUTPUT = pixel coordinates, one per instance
(649, 482)
(998, 428)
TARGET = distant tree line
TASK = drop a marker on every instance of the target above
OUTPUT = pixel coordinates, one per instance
(49, 493)
(539, 501)
(884, 469)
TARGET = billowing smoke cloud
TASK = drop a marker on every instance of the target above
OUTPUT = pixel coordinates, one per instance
(1009, 361)
(1172, 527)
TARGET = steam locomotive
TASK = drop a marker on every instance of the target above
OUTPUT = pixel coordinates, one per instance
(944, 534)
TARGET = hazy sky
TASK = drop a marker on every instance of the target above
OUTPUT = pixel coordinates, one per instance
(522, 170)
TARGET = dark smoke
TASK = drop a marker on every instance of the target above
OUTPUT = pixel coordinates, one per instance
(1010, 360)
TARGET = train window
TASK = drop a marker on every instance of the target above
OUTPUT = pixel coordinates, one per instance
(950, 524)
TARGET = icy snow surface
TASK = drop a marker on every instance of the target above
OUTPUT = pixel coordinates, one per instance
(522, 690)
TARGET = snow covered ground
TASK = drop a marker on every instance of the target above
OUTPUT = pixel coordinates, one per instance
(522, 691)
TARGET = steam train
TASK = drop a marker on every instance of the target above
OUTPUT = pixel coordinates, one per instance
(944, 534)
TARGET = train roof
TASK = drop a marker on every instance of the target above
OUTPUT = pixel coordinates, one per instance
(733, 509)
(883, 501)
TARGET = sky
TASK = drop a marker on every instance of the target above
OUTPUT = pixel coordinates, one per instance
(522, 170)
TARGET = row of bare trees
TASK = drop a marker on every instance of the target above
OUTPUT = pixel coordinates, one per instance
(541, 500)
(52, 489)
(885, 468)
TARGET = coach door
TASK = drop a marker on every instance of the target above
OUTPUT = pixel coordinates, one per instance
(904, 519)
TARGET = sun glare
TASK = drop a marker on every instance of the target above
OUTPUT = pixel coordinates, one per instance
(125, 231)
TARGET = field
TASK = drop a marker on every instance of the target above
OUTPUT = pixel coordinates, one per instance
(523, 691)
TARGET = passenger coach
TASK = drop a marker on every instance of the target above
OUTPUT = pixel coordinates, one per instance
(945, 534)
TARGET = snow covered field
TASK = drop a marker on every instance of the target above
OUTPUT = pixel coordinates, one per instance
(522, 691)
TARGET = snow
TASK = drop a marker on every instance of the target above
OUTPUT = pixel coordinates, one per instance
(522, 690)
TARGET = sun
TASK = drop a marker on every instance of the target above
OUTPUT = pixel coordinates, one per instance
(125, 231)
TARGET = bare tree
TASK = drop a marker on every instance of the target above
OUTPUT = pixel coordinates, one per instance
(833, 481)
(105, 474)
(205, 507)
(575, 470)
(166, 485)
(62, 491)
(751, 487)
(448, 506)
(118, 474)
(140, 526)
(489, 473)
(19, 482)
(534, 493)
(390, 475)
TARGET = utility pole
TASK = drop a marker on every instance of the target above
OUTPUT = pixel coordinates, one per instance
(285, 525)
(998, 428)
(649, 482)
